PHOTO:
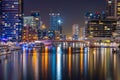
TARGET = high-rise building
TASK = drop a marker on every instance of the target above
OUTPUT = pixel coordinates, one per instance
(0, 18)
(100, 28)
(116, 34)
(36, 21)
(75, 31)
(110, 10)
(118, 8)
(113, 8)
(55, 22)
(37, 18)
(11, 18)
(42, 32)
(29, 30)
(81, 32)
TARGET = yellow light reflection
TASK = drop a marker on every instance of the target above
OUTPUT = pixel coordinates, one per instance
(46, 49)
(35, 64)
(91, 65)
(105, 67)
(114, 66)
(95, 59)
(43, 64)
(46, 60)
(81, 49)
(107, 59)
(69, 61)
(102, 66)
(102, 57)
(81, 63)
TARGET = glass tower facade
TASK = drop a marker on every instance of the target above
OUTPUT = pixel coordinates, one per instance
(110, 7)
(0, 18)
(113, 8)
(75, 31)
(37, 18)
(12, 21)
(118, 8)
(55, 22)
(99, 28)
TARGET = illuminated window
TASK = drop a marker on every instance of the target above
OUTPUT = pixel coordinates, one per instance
(13, 6)
(109, 2)
(91, 28)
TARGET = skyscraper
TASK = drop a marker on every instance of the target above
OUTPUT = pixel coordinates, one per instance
(0, 18)
(75, 30)
(37, 19)
(29, 29)
(11, 18)
(116, 33)
(118, 8)
(113, 8)
(110, 10)
(55, 22)
(100, 28)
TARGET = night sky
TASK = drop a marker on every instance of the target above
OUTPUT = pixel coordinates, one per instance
(72, 11)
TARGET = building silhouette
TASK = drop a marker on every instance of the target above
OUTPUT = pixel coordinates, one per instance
(113, 8)
(11, 20)
(55, 22)
(75, 31)
(29, 30)
(0, 18)
(100, 28)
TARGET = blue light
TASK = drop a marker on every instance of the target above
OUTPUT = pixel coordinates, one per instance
(25, 46)
(53, 66)
(59, 49)
(59, 67)
(91, 14)
(59, 21)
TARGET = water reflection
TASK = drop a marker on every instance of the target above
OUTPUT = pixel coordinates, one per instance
(24, 65)
(59, 69)
(6, 70)
(69, 61)
(53, 66)
(35, 64)
(46, 62)
(57, 63)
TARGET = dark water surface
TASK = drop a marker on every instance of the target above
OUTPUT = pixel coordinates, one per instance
(53, 63)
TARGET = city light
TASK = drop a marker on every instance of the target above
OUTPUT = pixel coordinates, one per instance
(59, 21)
(63, 40)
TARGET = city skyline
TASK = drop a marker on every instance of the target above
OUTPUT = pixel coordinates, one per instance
(59, 40)
(72, 12)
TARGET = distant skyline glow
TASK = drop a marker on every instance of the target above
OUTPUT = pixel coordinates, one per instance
(72, 11)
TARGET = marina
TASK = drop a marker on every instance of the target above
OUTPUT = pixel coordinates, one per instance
(58, 62)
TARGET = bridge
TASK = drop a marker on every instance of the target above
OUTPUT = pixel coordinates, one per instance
(66, 43)
(82, 41)
(72, 41)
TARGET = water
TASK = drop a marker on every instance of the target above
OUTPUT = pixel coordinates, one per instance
(57, 63)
